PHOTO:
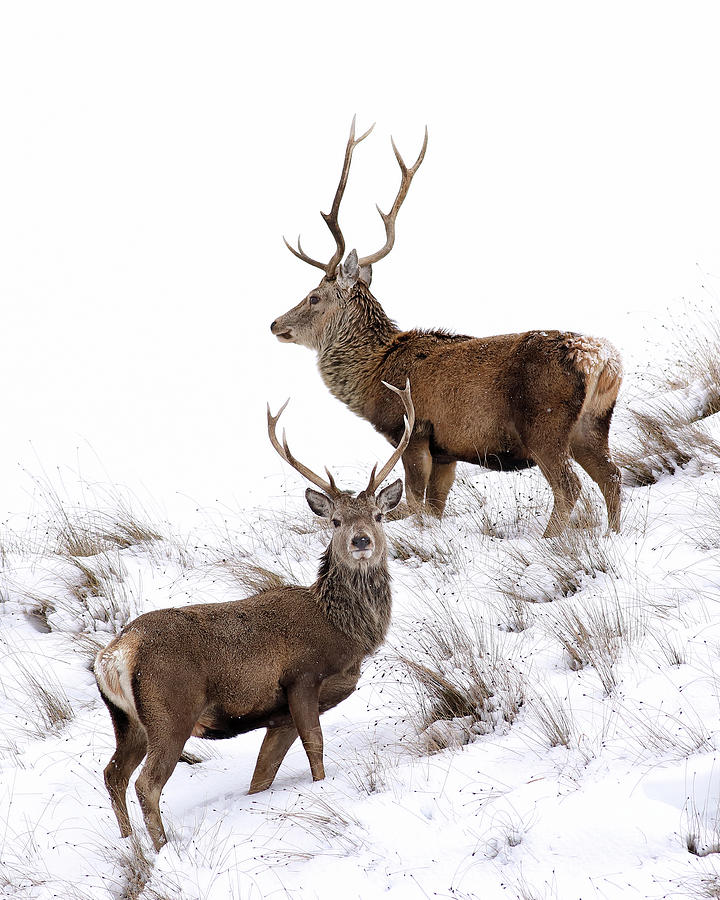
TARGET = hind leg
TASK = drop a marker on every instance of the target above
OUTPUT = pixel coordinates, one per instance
(131, 746)
(417, 463)
(442, 476)
(165, 744)
(590, 448)
(566, 489)
(276, 744)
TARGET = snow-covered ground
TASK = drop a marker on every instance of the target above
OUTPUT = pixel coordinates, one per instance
(543, 721)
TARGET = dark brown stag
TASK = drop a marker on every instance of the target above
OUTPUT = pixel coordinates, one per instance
(276, 660)
(505, 402)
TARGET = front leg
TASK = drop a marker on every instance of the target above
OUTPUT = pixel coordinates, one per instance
(303, 700)
(417, 462)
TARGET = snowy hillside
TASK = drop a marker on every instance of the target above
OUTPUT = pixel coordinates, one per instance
(543, 722)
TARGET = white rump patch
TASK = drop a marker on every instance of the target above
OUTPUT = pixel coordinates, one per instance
(113, 671)
(591, 354)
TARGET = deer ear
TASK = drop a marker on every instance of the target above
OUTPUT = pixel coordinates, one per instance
(319, 503)
(389, 496)
(349, 269)
(366, 274)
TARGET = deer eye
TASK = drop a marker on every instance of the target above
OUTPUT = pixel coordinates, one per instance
(378, 517)
(336, 523)
(314, 299)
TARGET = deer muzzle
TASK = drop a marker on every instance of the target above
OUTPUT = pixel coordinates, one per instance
(281, 332)
(361, 546)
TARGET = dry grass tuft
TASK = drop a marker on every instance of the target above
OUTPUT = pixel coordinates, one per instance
(516, 614)
(558, 567)
(707, 886)
(465, 686)
(662, 444)
(596, 635)
(105, 520)
(254, 577)
(99, 590)
(370, 772)
(553, 719)
(422, 547)
(333, 830)
(697, 360)
(705, 532)
(672, 736)
(702, 828)
(49, 700)
(135, 867)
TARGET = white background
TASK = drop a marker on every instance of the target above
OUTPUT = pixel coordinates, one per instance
(152, 155)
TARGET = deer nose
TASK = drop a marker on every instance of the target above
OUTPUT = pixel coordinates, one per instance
(272, 326)
(361, 542)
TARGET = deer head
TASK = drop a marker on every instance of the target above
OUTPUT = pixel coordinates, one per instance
(305, 323)
(358, 537)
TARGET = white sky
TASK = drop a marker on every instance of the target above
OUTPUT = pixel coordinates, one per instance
(152, 155)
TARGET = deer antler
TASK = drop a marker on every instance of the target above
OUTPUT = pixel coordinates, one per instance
(389, 218)
(329, 487)
(331, 218)
(377, 480)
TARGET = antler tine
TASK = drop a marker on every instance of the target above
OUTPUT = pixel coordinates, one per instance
(389, 218)
(301, 254)
(331, 218)
(284, 451)
(377, 480)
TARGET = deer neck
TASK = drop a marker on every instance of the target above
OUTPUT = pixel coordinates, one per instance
(351, 349)
(356, 601)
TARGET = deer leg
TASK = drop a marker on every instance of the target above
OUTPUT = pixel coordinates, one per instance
(417, 463)
(303, 699)
(442, 476)
(276, 744)
(566, 489)
(164, 749)
(131, 747)
(603, 471)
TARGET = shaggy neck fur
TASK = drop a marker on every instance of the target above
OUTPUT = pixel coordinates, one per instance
(357, 600)
(351, 346)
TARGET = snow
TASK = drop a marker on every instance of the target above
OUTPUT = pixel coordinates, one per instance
(502, 811)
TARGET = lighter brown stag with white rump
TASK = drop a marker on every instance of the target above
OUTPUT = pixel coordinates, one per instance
(276, 660)
(505, 402)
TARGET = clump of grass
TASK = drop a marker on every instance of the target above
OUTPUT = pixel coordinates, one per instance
(48, 699)
(705, 532)
(702, 828)
(516, 613)
(136, 868)
(370, 770)
(558, 567)
(254, 577)
(674, 736)
(95, 532)
(697, 359)
(334, 830)
(406, 546)
(104, 520)
(553, 719)
(706, 886)
(102, 597)
(661, 445)
(464, 684)
(596, 635)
